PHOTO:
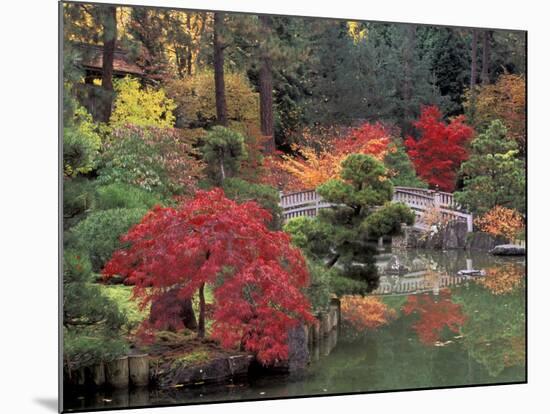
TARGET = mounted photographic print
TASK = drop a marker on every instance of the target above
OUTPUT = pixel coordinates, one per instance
(264, 206)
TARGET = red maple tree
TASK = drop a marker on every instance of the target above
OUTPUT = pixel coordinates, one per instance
(256, 275)
(434, 315)
(441, 148)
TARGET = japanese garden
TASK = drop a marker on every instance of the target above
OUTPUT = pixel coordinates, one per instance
(260, 206)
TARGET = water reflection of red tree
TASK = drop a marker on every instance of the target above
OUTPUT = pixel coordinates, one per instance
(435, 313)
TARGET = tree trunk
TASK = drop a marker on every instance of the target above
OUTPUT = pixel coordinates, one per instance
(221, 105)
(486, 57)
(109, 43)
(266, 90)
(173, 310)
(202, 310)
(189, 57)
(409, 58)
(332, 261)
(473, 68)
(222, 170)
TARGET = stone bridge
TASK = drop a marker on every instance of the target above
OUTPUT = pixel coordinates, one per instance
(420, 200)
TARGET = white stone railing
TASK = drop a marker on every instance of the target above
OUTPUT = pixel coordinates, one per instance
(308, 203)
(407, 286)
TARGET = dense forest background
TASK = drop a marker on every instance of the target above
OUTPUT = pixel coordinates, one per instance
(299, 71)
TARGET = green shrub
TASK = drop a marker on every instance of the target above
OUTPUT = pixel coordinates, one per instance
(81, 143)
(319, 289)
(340, 285)
(119, 195)
(267, 196)
(77, 267)
(91, 320)
(99, 233)
(156, 160)
(78, 199)
(310, 235)
(223, 151)
(80, 350)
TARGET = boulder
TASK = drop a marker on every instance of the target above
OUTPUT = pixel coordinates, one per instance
(453, 236)
(508, 250)
(483, 241)
(298, 353)
(216, 370)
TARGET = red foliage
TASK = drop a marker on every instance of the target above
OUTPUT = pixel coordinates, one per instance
(256, 274)
(434, 315)
(372, 139)
(441, 149)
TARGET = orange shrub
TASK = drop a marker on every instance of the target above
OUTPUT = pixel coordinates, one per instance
(321, 161)
(501, 221)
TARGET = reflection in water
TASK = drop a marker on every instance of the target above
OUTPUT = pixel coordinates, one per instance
(435, 313)
(446, 331)
(360, 313)
(503, 279)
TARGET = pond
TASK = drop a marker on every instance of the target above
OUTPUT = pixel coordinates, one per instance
(446, 330)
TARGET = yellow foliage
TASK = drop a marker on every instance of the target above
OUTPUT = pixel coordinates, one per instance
(144, 107)
(196, 98)
(315, 169)
(501, 221)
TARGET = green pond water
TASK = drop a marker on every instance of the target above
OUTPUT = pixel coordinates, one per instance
(444, 330)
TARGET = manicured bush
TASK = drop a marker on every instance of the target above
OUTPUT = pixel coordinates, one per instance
(81, 143)
(310, 235)
(223, 151)
(119, 195)
(99, 233)
(91, 321)
(78, 199)
(319, 290)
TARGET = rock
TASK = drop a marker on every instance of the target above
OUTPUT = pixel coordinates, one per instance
(452, 236)
(238, 364)
(483, 241)
(508, 250)
(298, 353)
(217, 370)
